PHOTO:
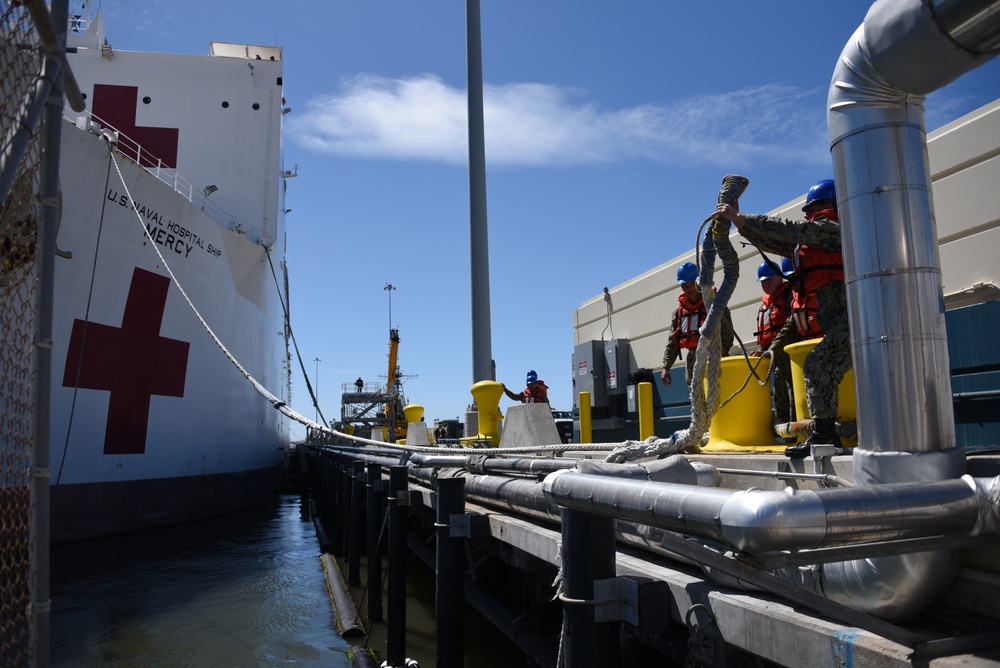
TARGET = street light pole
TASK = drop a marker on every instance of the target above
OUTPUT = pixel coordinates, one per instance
(389, 287)
(317, 360)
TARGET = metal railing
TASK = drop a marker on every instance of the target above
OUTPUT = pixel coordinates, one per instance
(154, 165)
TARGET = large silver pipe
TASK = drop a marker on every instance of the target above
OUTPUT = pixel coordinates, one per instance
(759, 522)
(892, 268)
(904, 50)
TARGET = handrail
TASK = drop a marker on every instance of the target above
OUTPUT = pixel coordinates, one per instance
(134, 151)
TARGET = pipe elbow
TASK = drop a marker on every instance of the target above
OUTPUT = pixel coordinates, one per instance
(890, 587)
(757, 521)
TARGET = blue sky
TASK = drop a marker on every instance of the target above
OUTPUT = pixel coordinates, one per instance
(608, 128)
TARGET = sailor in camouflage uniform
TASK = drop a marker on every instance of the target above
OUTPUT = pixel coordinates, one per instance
(686, 322)
(814, 246)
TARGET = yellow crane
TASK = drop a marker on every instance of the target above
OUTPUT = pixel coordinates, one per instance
(394, 407)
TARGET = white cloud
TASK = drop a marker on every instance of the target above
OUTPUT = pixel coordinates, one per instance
(530, 124)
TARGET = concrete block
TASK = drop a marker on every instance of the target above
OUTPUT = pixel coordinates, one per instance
(529, 425)
(416, 434)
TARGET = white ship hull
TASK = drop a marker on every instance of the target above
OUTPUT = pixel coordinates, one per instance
(152, 423)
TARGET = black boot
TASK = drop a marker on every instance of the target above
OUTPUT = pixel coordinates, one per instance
(824, 433)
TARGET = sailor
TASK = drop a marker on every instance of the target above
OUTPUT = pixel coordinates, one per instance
(775, 307)
(535, 392)
(814, 246)
(686, 322)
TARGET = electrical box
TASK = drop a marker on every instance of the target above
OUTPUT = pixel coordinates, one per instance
(590, 372)
(616, 366)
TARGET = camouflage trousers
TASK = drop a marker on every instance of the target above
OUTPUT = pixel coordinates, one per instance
(689, 367)
(781, 389)
(827, 363)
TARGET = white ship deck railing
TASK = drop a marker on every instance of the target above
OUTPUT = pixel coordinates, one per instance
(134, 151)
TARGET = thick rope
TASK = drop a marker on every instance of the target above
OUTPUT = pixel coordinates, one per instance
(708, 354)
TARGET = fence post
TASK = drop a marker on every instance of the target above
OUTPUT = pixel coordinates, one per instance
(374, 552)
(357, 527)
(396, 623)
(449, 584)
(588, 554)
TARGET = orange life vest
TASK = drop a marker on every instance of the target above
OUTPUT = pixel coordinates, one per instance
(539, 395)
(688, 320)
(814, 268)
(772, 315)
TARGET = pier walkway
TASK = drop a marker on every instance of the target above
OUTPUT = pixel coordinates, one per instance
(581, 588)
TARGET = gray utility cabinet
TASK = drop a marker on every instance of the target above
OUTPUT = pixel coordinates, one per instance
(601, 368)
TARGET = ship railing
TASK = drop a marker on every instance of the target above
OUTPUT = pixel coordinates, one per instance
(154, 165)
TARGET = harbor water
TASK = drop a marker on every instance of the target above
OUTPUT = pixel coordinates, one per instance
(245, 589)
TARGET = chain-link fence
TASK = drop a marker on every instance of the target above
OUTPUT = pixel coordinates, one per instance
(20, 220)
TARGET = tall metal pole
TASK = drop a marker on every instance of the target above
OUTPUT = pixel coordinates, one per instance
(389, 287)
(482, 347)
(317, 360)
(51, 129)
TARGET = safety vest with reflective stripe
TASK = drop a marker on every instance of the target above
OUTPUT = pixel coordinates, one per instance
(772, 315)
(688, 319)
(814, 268)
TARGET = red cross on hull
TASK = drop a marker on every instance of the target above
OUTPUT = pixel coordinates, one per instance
(116, 106)
(133, 362)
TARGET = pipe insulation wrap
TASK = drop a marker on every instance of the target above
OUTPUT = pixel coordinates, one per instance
(915, 53)
(757, 521)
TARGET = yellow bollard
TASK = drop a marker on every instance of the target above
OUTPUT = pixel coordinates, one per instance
(744, 424)
(646, 428)
(413, 413)
(586, 429)
(349, 429)
(486, 394)
(847, 405)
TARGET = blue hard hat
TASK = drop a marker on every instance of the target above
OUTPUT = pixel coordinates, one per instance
(787, 266)
(765, 270)
(687, 272)
(822, 191)
(532, 377)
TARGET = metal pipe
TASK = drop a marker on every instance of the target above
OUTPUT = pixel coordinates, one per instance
(52, 30)
(345, 615)
(514, 494)
(825, 478)
(18, 134)
(40, 455)
(449, 574)
(321, 535)
(904, 50)
(757, 521)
